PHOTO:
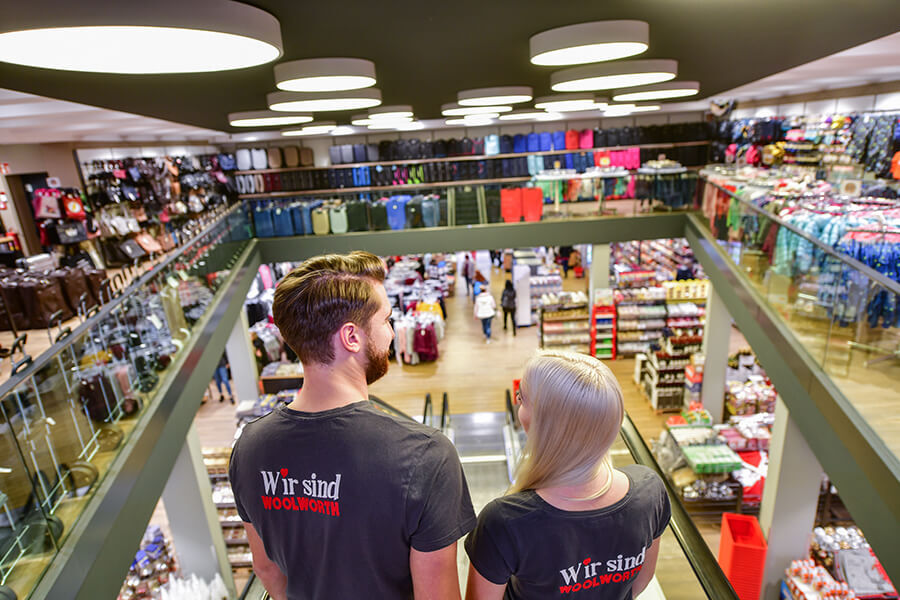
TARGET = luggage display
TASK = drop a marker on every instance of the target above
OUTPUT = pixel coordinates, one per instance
(258, 158)
(466, 207)
(347, 153)
(511, 205)
(519, 143)
(357, 215)
(95, 280)
(506, 144)
(296, 213)
(379, 215)
(359, 153)
(599, 138)
(243, 160)
(320, 223)
(371, 152)
(283, 224)
(306, 209)
(414, 217)
(492, 205)
(492, 144)
(334, 153)
(545, 141)
(9, 289)
(532, 204)
(291, 156)
(262, 221)
(586, 139)
(559, 140)
(307, 158)
(337, 218)
(396, 211)
(442, 209)
(533, 142)
(572, 137)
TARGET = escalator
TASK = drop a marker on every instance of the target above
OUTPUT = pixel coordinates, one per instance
(489, 445)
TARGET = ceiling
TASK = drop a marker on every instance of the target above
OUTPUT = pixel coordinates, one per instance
(425, 53)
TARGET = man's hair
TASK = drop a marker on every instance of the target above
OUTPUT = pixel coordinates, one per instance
(314, 300)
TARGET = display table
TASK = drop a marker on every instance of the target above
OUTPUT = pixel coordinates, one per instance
(277, 377)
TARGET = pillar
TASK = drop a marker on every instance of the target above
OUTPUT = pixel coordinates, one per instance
(193, 519)
(242, 361)
(716, 341)
(790, 499)
(599, 269)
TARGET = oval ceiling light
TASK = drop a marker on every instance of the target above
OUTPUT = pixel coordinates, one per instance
(389, 113)
(589, 42)
(455, 110)
(343, 130)
(607, 76)
(265, 118)
(523, 115)
(324, 74)
(660, 91)
(511, 94)
(411, 126)
(388, 123)
(140, 37)
(313, 129)
(323, 101)
(360, 120)
(470, 121)
(566, 102)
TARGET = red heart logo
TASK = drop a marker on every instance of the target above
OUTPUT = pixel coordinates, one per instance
(586, 561)
(284, 472)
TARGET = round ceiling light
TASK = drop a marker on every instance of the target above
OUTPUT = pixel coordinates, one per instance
(471, 120)
(606, 76)
(342, 130)
(411, 126)
(589, 42)
(140, 37)
(388, 123)
(567, 102)
(455, 110)
(313, 129)
(324, 74)
(523, 115)
(324, 101)
(265, 118)
(660, 91)
(512, 94)
(391, 113)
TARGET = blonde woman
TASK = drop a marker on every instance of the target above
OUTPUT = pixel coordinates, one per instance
(570, 522)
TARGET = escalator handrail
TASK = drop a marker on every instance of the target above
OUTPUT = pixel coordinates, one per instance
(445, 412)
(428, 410)
(389, 408)
(696, 550)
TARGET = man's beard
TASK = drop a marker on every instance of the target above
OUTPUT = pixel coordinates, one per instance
(376, 364)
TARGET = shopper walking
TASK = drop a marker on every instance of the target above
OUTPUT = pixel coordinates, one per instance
(508, 304)
(222, 379)
(485, 309)
(468, 270)
(326, 516)
(570, 521)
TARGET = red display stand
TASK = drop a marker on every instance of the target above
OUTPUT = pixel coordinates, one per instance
(742, 554)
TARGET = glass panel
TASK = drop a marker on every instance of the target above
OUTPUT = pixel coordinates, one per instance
(64, 424)
(847, 322)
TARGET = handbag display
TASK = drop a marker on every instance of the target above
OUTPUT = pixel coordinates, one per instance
(74, 207)
(148, 243)
(71, 232)
(132, 249)
(46, 204)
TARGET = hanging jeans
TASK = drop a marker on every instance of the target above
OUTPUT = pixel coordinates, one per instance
(221, 378)
(486, 327)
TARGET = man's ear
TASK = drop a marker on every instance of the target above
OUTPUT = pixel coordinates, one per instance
(350, 337)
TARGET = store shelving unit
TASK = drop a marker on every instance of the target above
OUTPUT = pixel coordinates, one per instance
(603, 331)
(640, 320)
(566, 327)
(216, 462)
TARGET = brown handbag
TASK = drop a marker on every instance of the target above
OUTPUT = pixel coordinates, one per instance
(165, 241)
(148, 243)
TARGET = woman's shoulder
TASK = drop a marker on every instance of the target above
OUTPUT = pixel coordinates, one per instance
(510, 507)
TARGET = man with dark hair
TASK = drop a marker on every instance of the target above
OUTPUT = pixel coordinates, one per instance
(341, 500)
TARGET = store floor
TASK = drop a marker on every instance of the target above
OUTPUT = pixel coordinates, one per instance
(476, 376)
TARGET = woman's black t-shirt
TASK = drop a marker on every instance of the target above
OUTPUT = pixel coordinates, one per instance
(543, 552)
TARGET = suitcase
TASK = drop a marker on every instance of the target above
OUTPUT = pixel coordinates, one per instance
(357, 215)
(359, 153)
(346, 153)
(586, 139)
(320, 224)
(492, 144)
(559, 140)
(291, 156)
(439, 148)
(262, 221)
(379, 215)
(572, 139)
(506, 144)
(535, 164)
(371, 152)
(307, 210)
(396, 211)
(273, 155)
(533, 142)
(95, 279)
(532, 204)
(337, 218)
(307, 158)
(9, 288)
(466, 207)
(42, 298)
(492, 205)
(511, 205)
(570, 161)
(430, 211)
(545, 142)
(73, 284)
(334, 153)
(243, 159)
(442, 209)
(599, 138)
(282, 223)
(259, 158)
(414, 217)
(519, 143)
(295, 211)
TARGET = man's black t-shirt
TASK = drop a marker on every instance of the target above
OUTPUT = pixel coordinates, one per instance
(542, 552)
(339, 497)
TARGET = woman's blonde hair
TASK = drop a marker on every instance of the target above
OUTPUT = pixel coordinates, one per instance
(576, 412)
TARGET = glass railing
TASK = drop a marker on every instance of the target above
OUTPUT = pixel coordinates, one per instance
(844, 312)
(66, 415)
